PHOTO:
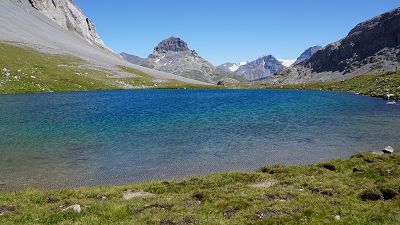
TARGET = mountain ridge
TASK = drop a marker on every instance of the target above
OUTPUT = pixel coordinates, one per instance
(371, 46)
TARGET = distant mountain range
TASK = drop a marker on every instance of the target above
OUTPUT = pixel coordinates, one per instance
(60, 27)
(371, 46)
(258, 69)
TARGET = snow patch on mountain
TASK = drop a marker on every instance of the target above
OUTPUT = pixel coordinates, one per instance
(287, 62)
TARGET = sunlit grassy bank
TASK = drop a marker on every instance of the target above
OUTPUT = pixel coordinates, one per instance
(375, 85)
(24, 70)
(360, 190)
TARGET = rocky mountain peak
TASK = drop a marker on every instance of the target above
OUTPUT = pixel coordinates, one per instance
(68, 15)
(267, 58)
(307, 54)
(174, 56)
(172, 44)
(261, 68)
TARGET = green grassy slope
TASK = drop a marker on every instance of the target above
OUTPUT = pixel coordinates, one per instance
(376, 85)
(360, 190)
(24, 70)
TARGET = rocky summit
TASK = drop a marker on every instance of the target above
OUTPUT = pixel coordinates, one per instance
(371, 46)
(307, 54)
(261, 68)
(173, 55)
(70, 17)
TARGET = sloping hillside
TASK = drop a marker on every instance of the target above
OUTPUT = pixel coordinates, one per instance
(23, 24)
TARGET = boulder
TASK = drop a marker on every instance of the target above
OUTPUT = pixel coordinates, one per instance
(74, 208)
(390, 97)
(388, 150)
(6, 71)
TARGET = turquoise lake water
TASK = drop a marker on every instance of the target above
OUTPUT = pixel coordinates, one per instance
(57, 140)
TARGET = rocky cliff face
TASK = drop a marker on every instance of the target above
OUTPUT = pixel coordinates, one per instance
(261, 68)
(371, 46)
(70, 17)
(173, 55)
(307, 54)
(363, 41)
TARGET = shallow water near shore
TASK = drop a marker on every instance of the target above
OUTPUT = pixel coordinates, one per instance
(58, 140)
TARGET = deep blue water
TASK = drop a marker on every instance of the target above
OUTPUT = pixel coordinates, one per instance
(99, 138)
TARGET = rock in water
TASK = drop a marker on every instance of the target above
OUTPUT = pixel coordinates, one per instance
(388, 150)
(390, 97)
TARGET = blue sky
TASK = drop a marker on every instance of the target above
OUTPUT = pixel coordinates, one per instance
(229, 30)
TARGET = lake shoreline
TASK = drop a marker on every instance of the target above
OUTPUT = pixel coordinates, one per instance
(293, 194)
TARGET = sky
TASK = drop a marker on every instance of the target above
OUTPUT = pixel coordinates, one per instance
(229, 30)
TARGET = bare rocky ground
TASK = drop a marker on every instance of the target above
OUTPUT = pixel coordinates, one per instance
(22, 24)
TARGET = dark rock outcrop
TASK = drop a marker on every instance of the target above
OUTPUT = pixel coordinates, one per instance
(172, 44)
(363, 41)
